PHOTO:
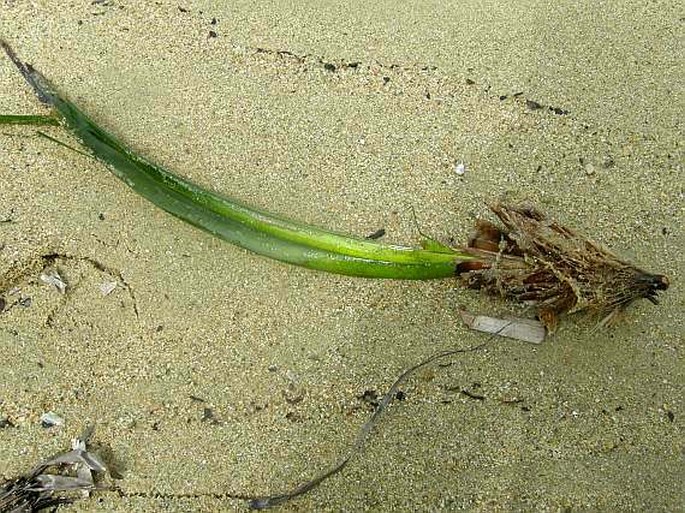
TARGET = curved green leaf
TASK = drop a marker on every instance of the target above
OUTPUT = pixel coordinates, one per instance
(253, 229)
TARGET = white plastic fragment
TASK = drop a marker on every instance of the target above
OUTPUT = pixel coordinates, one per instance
(526, 330)
(460, 169)
(52, 277)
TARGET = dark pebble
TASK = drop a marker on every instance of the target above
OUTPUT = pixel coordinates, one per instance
(208, 416)
(370, 397)
(533, 105)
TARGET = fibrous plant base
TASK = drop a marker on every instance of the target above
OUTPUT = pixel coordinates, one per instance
(535, 260)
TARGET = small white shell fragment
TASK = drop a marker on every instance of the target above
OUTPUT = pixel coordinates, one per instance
(52, 277)
(460, 169)
(107, 287)
(51, 419)
(78, 444)
(526, 330)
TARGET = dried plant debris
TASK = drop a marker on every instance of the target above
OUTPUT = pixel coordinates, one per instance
(270, 501)
(535, 260)
(71, 476)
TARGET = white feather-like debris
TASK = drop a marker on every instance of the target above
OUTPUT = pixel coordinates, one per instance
(52, 277)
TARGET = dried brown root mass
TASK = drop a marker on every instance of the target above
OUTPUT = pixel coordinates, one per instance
(535, 260)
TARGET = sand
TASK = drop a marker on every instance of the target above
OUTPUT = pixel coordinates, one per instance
(213, 373)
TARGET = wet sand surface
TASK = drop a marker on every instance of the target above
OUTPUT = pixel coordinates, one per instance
(210, 372)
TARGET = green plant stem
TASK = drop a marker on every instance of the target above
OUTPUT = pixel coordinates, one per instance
(253, 229)
(63, 144)
(16, 119)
